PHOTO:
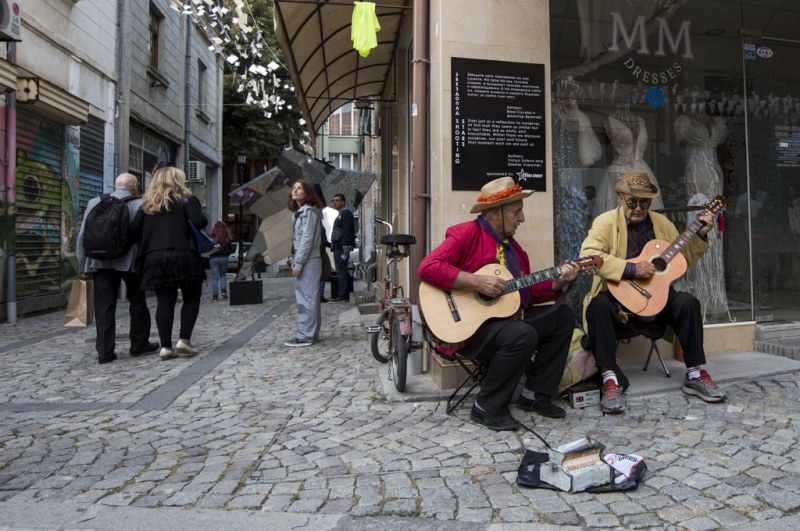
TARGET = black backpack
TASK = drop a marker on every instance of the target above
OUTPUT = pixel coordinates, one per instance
(105, 231)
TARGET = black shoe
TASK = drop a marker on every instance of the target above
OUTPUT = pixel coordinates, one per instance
(544, 406)
(147, 348)
(340, 299)
(102, 360)
(323, 299)
(502, 422)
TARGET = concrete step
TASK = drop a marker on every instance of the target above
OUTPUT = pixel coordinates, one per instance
(778, 330)
(785, 347)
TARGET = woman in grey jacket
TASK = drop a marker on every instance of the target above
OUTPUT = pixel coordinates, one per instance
(306, 261)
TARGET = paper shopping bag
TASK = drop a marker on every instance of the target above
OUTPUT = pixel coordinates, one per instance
(80, 309)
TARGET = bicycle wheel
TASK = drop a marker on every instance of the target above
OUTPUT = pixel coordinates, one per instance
(399, 357)
(379, 341)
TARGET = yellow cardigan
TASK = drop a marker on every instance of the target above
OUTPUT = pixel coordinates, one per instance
(608, 239)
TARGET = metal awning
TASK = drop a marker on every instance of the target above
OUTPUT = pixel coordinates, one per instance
(327, 72)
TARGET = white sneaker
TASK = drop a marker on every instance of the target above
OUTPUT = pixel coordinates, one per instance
(184, 349)
(167, 354)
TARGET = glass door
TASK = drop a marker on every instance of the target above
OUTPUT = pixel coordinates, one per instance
(767, 210)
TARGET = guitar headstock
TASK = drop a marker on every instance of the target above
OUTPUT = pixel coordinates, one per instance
(715, 205)
(589, 264)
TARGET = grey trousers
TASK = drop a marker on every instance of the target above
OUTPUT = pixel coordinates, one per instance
(306, 292)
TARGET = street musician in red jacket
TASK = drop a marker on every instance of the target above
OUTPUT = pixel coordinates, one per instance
(507, 344)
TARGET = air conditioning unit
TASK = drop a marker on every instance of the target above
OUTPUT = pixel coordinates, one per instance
(10, 20)
(197, 172)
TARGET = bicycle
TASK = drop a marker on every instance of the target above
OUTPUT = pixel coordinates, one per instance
(391, 336)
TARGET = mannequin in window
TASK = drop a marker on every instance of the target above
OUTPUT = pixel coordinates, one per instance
(628, 135)
(701, 134)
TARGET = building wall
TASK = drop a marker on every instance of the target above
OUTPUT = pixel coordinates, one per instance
(73, 46)
(160, 107)
(500, 30)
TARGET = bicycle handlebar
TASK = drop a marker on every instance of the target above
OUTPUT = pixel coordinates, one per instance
(384, 222)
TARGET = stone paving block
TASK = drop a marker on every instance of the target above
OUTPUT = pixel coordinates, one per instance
(277, 502)
(590, 507)
(601, 520)
(779, 498)
(744, 502)
(674, 514)
(183, 498)
(703, 504)
(248, 501)
(467, 514)
(700, 524)
(728, 517)
(641, 521)
(310, 505)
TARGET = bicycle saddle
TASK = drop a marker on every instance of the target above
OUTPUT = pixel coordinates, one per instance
(398, 239)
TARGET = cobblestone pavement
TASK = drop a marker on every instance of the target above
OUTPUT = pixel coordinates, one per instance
(252, 426)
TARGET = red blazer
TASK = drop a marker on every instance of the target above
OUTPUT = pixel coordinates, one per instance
(467, 247)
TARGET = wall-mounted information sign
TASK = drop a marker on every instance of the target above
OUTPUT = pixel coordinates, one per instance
(498, 123)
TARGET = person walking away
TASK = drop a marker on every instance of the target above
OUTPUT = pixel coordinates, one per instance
(219, 260)
(306, 262)
(108, 276)
(170, 260)
(343, 241)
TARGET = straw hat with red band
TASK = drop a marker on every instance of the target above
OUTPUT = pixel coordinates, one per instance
(499, 192)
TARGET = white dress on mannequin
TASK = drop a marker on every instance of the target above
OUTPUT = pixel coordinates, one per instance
(701, 134)
(629, 141)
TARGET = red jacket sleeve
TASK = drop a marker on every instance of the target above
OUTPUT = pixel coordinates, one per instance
(441, 267)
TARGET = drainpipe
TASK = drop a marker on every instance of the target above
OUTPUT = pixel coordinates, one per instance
(187, 94)
(123, 93)
(419, 137)
(11, 195)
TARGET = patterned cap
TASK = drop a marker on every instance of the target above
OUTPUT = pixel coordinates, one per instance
(637, 184)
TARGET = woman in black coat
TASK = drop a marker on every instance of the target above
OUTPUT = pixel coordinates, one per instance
(169, 255)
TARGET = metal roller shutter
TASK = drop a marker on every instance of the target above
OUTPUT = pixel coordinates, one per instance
(41, 194)
(91, 165)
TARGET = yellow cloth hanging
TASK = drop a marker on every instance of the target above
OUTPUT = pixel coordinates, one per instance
(364, 27)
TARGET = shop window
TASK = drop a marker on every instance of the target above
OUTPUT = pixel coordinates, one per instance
(642, 86)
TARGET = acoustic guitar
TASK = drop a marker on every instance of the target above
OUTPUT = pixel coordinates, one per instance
(454, 316)
(646, 297)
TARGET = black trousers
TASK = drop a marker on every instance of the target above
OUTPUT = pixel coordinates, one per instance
(507, 345)
(106, 292)
(682, 313)
(165, 311)
(342, 275)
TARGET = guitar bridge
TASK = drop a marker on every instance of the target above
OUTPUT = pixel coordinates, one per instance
(638, 287)
(451, 304)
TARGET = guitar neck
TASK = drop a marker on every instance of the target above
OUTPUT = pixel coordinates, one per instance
(517, 284)
(682, 240)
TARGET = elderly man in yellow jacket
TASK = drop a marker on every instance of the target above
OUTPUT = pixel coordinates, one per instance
(619, 236)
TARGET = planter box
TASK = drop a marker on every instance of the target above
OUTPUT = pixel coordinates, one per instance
(246, 292)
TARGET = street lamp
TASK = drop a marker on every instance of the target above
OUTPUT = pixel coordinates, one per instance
(241, 158)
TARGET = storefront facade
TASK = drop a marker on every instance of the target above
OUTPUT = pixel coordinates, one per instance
(698, 94)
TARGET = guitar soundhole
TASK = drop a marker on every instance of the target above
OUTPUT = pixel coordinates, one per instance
(484, 299)
(660, 264)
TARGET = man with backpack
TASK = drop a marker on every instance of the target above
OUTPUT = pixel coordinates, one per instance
(105, 252)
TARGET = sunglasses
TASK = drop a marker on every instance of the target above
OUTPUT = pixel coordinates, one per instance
(633, 203)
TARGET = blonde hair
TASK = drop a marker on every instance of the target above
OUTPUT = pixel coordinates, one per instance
(168, 185)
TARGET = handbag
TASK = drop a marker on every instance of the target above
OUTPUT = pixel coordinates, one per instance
(205, 243)
(80, 308)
